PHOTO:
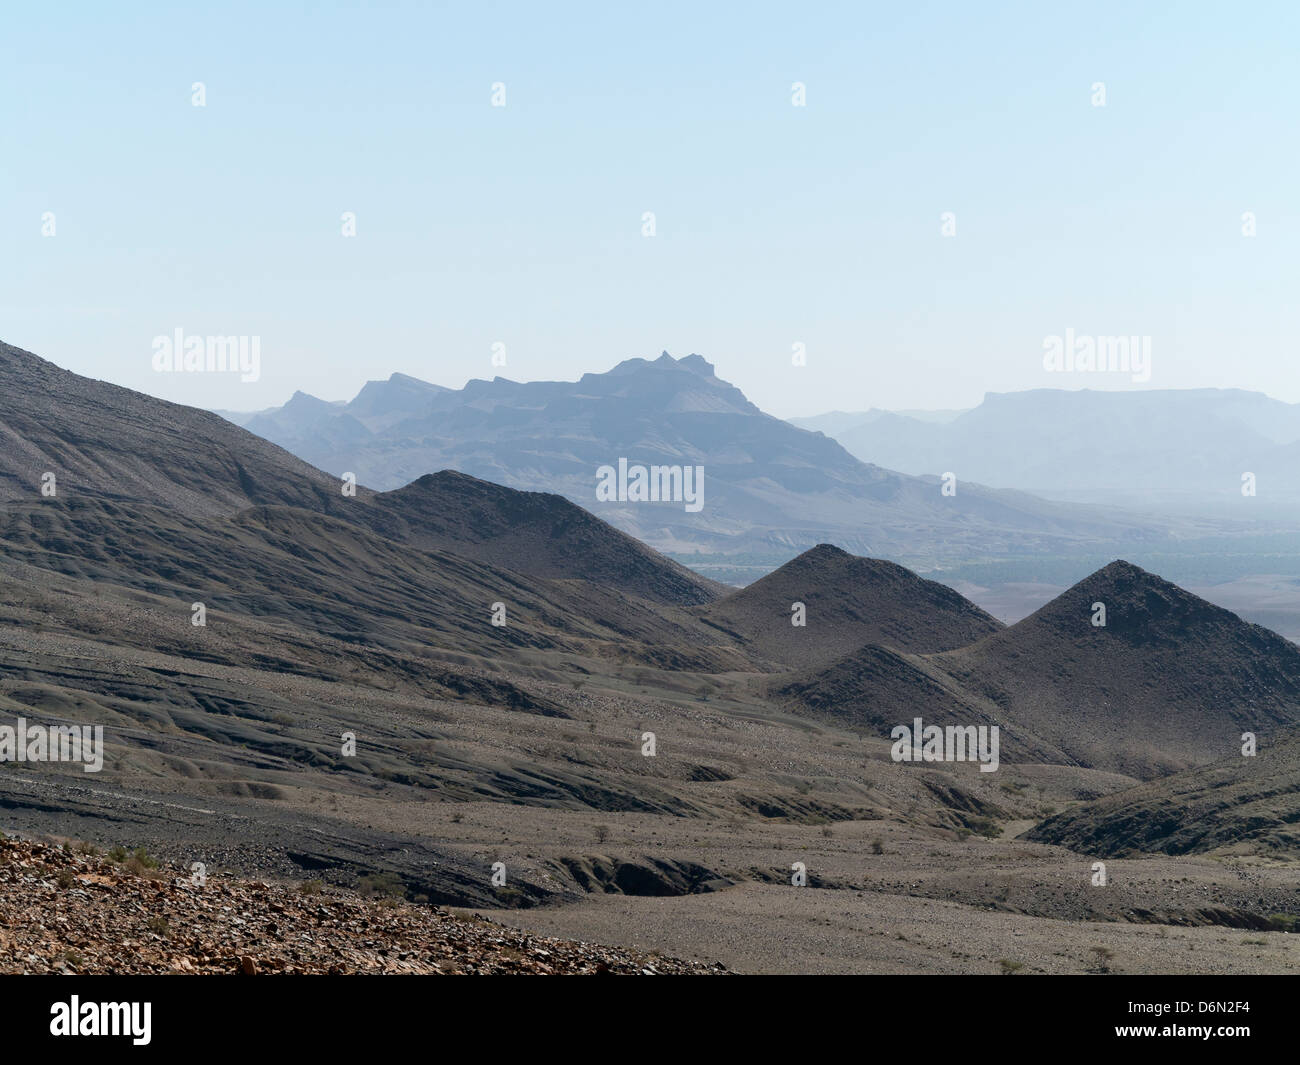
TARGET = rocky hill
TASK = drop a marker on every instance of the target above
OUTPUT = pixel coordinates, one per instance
(848, 602)
(1168, 682)
(535, 533)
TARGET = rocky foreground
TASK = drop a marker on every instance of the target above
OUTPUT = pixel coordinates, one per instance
(65, 909)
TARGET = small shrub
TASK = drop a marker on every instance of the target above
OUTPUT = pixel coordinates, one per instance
(141, 864)
(509, 894)
(383, 885)
(311, 887)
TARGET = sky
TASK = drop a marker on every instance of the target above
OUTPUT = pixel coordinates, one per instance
(127, 212)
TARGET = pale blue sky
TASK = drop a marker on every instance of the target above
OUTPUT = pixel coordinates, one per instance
(775, 224)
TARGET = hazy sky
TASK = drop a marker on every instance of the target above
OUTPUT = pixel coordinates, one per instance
(775, 224)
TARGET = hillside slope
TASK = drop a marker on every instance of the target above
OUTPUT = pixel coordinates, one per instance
(167, 499)
(1239, 804)
(113, 444)
(536, 533)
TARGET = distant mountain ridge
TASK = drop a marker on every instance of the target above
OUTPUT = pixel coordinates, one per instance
(770, 487)
(1183, 450)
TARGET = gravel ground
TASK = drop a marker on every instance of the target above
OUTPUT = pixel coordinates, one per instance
(68, 912)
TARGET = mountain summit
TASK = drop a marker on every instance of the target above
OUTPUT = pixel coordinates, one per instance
(848, 602)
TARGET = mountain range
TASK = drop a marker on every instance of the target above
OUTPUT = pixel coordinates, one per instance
(1181, 451)
(302, 678)
(771, 489)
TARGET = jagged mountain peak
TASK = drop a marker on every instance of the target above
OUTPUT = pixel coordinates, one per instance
(696, 364)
